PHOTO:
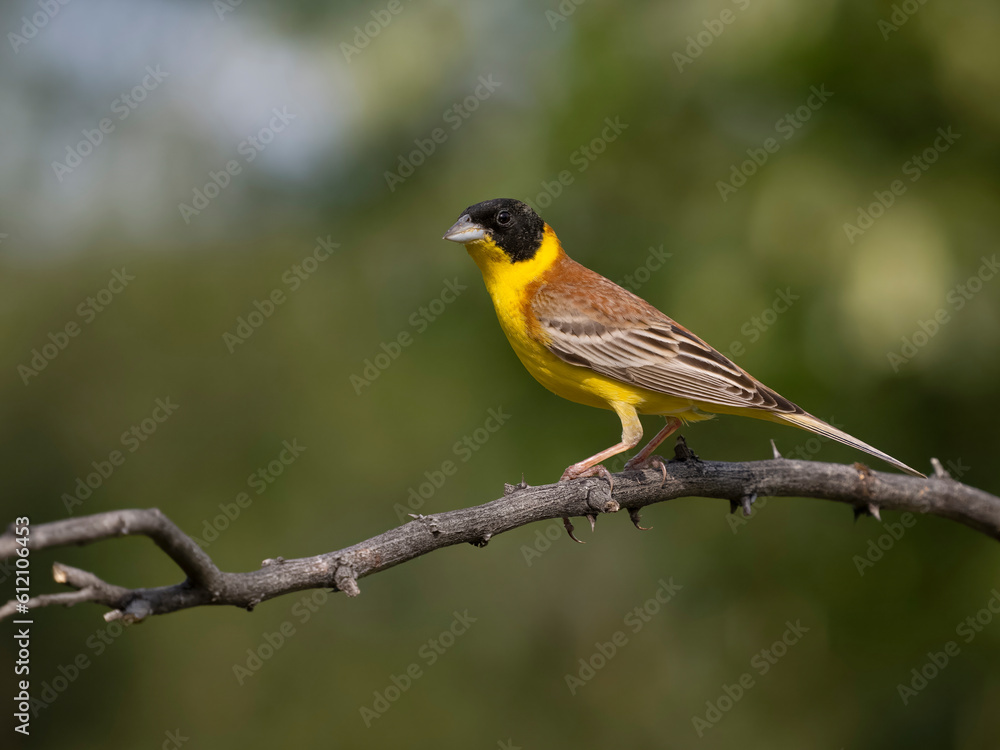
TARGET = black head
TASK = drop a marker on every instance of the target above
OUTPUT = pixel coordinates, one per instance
(509, 223)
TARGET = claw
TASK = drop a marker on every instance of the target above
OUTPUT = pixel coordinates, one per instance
(593, 522)
(634, 515)
(653, 462)
(569, 529)
(594, 471)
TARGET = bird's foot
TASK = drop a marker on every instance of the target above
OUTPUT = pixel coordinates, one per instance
(649, 462)
(576, 471)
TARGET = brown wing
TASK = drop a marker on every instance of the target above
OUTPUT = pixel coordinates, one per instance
(589, 321)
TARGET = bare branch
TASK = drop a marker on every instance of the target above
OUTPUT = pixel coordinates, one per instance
(866, 491)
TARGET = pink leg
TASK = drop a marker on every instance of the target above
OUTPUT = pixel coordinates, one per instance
(631, 435)
(588, 466)
(641, 459)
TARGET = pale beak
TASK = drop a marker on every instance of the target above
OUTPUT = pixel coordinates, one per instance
(465, 230)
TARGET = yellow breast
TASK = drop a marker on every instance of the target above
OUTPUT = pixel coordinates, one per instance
(510, 286)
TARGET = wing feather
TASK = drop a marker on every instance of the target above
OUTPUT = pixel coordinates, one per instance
(607, 329)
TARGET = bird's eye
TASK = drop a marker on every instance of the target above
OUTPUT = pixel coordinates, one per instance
(503, 217)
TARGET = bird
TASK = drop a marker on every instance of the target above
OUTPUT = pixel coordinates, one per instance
(588, 340)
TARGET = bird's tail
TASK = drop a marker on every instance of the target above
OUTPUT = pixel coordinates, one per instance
(811, 423)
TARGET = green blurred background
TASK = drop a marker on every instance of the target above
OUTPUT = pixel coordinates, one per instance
(353, 115)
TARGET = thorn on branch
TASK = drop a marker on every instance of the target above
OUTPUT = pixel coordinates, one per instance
(569, 530)
(510, 489)
(682, 452)
(633, 514)
(939, 471)
(774, 450)
(871, 509)
(745, 502)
